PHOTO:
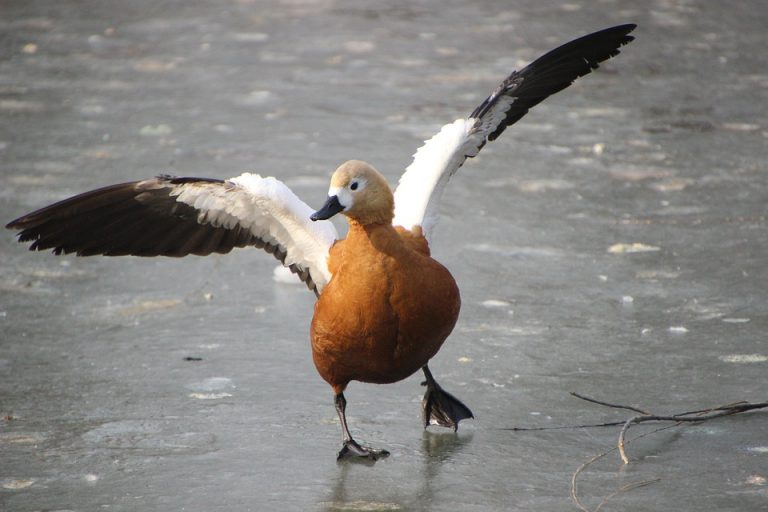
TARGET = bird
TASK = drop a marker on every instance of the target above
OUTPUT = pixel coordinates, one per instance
(383, 305)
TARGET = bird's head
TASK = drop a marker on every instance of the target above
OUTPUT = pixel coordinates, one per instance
(359, 192)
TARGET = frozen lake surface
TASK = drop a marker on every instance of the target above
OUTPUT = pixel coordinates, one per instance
(612, 243)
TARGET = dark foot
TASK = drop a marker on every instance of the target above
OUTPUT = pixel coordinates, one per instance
(353, 450)
(440, 407)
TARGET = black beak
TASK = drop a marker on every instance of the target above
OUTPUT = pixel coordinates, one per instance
(331, 207)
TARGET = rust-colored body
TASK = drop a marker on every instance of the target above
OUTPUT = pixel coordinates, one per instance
(387, 309)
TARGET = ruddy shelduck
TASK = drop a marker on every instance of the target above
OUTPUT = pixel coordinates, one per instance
(384, 305)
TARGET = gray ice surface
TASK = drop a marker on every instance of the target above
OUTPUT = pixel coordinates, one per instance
(612, 243)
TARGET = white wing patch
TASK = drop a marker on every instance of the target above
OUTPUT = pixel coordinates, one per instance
(418, 193)
(272, 212)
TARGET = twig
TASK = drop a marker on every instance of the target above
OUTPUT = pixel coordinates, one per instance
(625, 488)
(690, 417)
(575, 476)
(613, 406)
(563, 427)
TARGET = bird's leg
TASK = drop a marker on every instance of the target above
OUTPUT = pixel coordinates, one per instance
(439, 407)
(350, 448)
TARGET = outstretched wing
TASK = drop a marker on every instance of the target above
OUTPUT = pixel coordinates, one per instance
(170, 216)
(421, 186)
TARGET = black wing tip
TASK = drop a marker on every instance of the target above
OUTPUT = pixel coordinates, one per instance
(555, 71)
(33, 218)
(25, 221)
(616, 36)
(617, 30)
(623, 30)
(15, 224)
(626, 28)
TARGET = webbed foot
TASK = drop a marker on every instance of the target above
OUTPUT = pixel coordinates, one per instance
(353, 450)
(440, 407)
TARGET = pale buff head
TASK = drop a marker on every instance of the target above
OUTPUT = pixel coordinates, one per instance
(361, 193)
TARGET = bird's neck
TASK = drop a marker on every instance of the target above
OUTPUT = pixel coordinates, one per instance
(381, 235)
(372, 218)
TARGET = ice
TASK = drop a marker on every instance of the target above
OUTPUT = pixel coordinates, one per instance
(623, 220)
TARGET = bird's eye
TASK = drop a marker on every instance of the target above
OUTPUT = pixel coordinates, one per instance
(353, 185)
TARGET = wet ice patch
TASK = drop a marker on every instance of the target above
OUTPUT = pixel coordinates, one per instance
(672, 185)
(250, 37)
(489, 382)
(144, 435)
(581, 161)
(544, 185)
(678, 329)
(209, 396)
(537, 127)
(493, 303)
(597, 112)
(157, 130)
(707, 430)
(128, 433)
(635, 173)
(259, 97)
(361, 506)
(211, 389)
(741, 127)
(147, 306)
(705, 310)
(359, 46)
(630, 248)
(744, 358)
(154, 65)
(15, 484)
(502, 330)
(735, 320)
(211, 385)
(21, 438)
(657, 274)
(56, 274)
(763, 450)
(515, 252)
(21, 106)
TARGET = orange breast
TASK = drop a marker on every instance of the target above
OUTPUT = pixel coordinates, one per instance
(385, 312)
